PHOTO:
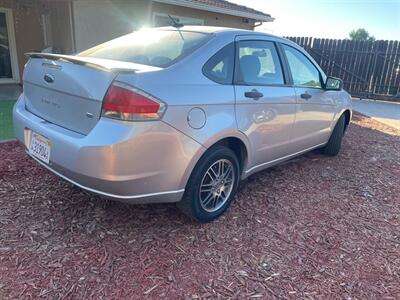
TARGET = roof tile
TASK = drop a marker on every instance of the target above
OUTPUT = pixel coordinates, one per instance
(229, 5)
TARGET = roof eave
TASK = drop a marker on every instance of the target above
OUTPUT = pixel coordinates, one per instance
(256, 17)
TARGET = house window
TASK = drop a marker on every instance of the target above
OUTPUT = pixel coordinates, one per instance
(5, 55)
(8, 63)
(160, 20)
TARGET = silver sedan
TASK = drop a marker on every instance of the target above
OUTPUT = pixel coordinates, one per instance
(178, 115)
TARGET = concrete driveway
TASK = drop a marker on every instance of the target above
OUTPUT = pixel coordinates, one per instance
(382, 111)
(10, 91)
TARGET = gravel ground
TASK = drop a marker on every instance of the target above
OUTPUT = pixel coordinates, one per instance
(313, 228)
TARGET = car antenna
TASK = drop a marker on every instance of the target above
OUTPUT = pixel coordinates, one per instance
(176, 24)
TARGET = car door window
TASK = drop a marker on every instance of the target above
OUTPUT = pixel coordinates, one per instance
(303, 71)
(259, 64)
(219, 67)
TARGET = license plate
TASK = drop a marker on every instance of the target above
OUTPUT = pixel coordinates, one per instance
(40, 147)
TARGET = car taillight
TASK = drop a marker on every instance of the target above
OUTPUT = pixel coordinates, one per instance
(124, 102)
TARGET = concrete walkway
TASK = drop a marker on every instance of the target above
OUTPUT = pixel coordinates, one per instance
(10, 91)
(382, 111)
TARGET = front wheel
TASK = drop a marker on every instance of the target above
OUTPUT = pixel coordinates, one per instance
(212, 185)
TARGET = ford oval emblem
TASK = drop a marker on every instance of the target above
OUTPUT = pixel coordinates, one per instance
(49, 78)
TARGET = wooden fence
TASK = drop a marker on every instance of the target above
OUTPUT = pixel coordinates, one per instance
(368, 69)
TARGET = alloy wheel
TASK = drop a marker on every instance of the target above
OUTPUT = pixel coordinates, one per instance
(217, 185)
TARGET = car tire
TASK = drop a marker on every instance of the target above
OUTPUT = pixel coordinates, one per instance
(332, 148)
(202, 191)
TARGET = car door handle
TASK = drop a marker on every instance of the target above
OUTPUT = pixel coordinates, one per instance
(305, 96)
(254, 94)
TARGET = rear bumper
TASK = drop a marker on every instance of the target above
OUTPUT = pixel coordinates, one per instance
(142, 162)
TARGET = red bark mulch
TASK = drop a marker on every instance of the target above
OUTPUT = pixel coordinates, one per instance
(315, 227)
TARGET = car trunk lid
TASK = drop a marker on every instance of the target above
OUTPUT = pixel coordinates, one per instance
(68, 90)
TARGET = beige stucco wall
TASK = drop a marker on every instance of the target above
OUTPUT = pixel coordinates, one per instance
(98, 21)
(79, 24)
(210, 18)
(60, 20)
(27, 27)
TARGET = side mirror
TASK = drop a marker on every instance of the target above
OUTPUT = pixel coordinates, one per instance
(333, 84)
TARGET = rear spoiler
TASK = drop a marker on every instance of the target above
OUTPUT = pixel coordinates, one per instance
(102, 64)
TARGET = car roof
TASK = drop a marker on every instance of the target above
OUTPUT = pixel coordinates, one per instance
(218, 30)
(233, 32)
(227, 31)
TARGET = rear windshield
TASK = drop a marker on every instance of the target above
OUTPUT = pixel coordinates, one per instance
(159, 48)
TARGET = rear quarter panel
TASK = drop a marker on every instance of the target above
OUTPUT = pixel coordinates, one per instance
(184, 87)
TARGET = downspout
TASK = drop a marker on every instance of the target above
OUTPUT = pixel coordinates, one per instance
(72, 24)
(149, 16)
(257, 23)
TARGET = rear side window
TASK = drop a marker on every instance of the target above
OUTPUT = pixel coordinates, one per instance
(304, 73)
(159, 48)
(219, 67)
(259, 64)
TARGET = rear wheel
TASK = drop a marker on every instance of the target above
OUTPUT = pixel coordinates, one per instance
(335, 141)
(212, 185)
